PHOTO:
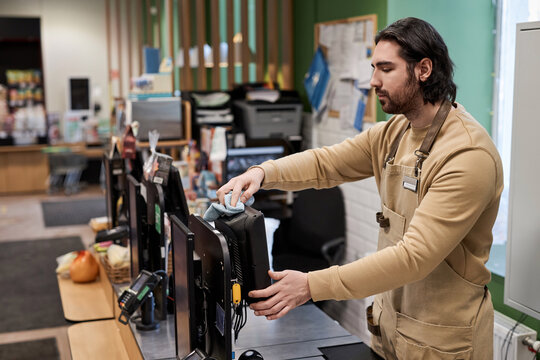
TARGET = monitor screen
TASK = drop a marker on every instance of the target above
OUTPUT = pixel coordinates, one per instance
(155, 213)
(114, 174)
(175, 198)
(79, 94)
(184, 295)
(163, 115)
(157, 246)
(240, 159)
(211, 247)
(137, 232)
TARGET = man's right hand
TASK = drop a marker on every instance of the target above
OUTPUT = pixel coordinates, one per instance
(249, 182)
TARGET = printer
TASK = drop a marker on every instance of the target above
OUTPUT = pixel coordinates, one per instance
(263, 119)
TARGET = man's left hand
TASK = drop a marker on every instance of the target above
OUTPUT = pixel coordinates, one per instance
(290, 290)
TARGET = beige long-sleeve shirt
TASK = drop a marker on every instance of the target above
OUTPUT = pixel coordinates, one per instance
(459, 196)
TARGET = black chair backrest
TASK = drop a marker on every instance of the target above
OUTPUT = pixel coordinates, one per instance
(318, 216)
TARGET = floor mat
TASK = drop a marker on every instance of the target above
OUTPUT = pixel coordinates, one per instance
(44, 349)
(30, 297)
(72, 212)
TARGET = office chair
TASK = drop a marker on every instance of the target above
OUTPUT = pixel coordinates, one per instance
(314, 237)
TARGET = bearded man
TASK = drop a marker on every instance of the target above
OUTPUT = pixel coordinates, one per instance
(439, 177)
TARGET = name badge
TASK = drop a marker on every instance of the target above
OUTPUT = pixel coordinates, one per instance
(410, 183)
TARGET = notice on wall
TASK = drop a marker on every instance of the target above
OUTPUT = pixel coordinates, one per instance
(349, 47)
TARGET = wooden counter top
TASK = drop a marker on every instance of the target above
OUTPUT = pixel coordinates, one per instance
(96, 340)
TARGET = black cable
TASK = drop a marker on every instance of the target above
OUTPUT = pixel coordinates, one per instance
(506, 338)
(510, 334)
(160, 272)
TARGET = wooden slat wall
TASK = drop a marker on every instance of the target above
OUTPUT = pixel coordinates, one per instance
(185, 23)
(129, 37)
(119, 44)
(158, 16)
(230, 35)
(149, 39)
(272, 31)
(200, 18)
(287, 63)
(139, 34)
(216, 48)
(245, 40)
(170, 9)
(264, 53)
(259, 43)
(109, 55)
(108, 29)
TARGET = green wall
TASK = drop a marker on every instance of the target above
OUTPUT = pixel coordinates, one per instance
(467, 28)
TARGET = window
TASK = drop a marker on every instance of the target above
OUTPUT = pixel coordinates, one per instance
(510, 13)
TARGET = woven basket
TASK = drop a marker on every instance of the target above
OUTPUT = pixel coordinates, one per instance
(117, 275)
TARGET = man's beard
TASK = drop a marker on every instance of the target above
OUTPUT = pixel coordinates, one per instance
(402, 102)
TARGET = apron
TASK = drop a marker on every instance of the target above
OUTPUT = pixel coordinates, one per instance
(442, 316)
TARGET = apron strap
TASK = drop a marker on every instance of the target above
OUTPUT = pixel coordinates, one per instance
(395, 145)
(429, 139)
(373, 329)
(432, 133)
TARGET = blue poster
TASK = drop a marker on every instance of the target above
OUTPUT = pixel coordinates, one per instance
(316, 79)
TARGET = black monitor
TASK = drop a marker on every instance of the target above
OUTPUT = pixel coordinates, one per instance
(161, 114)
(157, 246)
(175, 198)
(233, 252)
(211, 247)
(246, 237)
(114, 183)
(184, 288)
(160, 200)
(238, 160)
(155, 213)
(137, 227)
(79, 94)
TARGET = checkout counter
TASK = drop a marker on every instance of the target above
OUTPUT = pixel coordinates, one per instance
(25, 168)
(306, 332)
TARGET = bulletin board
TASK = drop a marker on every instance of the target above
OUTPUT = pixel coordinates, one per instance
(348, 45)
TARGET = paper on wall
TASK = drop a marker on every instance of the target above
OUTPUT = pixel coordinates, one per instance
(326, 37)
(336, 50)
(369, 32)
(364, 73)
(359, 31)
(350, 54)
(340, 102)
(349, 61)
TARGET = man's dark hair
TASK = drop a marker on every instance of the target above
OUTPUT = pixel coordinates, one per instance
(418, 40)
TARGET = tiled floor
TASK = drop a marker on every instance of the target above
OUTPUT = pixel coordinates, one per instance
(21, 219)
